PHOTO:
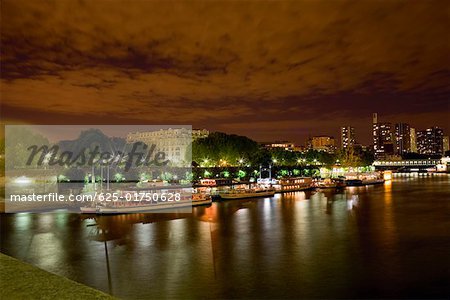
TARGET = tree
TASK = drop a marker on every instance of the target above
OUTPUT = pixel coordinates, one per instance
(223, 149)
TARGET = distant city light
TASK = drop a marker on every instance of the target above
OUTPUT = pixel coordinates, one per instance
(23, 180)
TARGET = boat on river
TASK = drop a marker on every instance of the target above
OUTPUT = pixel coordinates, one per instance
(292, 184)
(364, 179)
(330, 183)
(148, 201)
(141, 207)
(247, 193)
(201, 199)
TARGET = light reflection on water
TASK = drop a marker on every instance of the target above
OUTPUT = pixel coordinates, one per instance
(381, 241)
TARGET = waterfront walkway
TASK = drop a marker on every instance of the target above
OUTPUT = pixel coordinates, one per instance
(19, 280)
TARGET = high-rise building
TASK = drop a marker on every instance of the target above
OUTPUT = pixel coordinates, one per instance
(412, 139)
(402, 138)
(383, 142)
(445, 143)
(347, 137)
(430, 141)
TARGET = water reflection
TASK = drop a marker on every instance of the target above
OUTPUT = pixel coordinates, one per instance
(358, 242)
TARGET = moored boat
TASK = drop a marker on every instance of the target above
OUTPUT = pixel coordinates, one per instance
(201, 199)
(247, 193)
(134, 201)
(88, 209)
(329, 183)
(139, 208)
(364, 179)
(353, 182)
(292, 184)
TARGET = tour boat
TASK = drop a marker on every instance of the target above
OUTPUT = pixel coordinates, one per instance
(127, 207)
(364, 179)
(201, 199)
(247, 193)
(292, 184)
(329, 183)
(89, 209)
(187, 198)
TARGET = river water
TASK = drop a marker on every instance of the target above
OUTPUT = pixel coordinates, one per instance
(390, 240)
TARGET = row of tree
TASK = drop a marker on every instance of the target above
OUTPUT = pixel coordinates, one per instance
(220, 149)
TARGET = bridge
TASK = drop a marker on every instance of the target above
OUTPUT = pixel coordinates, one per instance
(441, 164)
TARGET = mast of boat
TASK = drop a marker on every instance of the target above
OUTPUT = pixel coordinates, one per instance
(101, 178)
(93, 178)
(107, 177)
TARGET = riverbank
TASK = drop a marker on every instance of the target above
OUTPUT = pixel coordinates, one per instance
(19, 280)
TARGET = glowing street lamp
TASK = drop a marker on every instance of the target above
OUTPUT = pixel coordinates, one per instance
(222, 162)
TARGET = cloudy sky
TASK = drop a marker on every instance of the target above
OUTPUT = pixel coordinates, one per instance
(270, 70)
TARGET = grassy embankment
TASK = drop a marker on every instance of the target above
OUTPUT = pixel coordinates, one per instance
(19, 280)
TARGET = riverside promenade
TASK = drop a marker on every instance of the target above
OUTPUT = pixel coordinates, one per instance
(19, 280)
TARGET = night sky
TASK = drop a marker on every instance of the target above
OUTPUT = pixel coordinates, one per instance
(273, 70)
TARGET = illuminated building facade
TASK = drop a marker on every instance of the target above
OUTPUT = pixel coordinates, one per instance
(174, 142)
(285, 145)
(412, 139)
(323, 143)
(347, 137)
(445, 143)
(383, 142)
(430, 141)
(402, 138)
(199, 134)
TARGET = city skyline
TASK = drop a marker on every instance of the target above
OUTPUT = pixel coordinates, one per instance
(290, 69)
(123, 131)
